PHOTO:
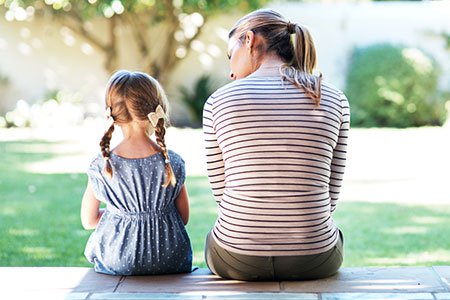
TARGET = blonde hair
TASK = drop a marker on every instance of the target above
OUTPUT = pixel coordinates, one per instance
(132, 96)
(291, 42)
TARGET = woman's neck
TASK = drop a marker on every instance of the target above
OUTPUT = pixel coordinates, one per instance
(270, 66)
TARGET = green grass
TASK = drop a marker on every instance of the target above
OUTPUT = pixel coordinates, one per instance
(40, 225)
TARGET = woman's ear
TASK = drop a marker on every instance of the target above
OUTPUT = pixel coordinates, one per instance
(249, 40)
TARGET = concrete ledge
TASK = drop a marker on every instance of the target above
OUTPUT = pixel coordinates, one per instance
(349, 283)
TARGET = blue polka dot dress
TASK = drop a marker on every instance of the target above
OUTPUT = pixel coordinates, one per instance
(141, 231)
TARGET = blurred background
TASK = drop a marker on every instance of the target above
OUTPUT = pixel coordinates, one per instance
(391, 58)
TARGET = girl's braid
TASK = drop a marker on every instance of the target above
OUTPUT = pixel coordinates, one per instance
(160, 131)
(106, 152)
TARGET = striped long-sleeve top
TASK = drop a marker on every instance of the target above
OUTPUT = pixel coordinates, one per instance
(275, 164)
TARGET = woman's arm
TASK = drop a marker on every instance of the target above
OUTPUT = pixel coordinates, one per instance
(182, 204)
(339, 155)
(90, 209)
(214, 157)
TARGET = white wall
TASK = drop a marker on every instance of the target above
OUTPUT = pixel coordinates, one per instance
(38, 56)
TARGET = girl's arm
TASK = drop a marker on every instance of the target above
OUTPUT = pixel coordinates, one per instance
(90, 209)
(182, 204)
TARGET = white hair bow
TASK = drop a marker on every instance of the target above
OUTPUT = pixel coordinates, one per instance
(109, 118)
(156, 115)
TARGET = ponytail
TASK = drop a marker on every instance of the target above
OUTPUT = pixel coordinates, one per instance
(300, 70)
(289, 41)
(106, 152)
(160, 131)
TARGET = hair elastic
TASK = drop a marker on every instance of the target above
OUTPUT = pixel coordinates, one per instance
(291, 27)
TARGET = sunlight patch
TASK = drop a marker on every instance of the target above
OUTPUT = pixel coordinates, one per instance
(23, 232)
(198, 256)
(80, 232)
(59, 165)
(8, 211)
(429, 220)
(39, 252)
(406, 230)
(412, 259)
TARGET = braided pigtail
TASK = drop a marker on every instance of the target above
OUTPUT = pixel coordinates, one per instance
(160, 131)
(106, 152)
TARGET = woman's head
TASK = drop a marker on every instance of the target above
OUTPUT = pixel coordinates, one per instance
(264, 33)
(132, 97)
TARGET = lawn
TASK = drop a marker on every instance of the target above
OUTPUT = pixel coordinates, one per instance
(40, 225)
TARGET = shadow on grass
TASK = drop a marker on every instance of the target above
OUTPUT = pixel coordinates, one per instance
(40, 222)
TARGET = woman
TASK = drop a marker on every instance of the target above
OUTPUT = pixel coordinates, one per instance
(276, 141)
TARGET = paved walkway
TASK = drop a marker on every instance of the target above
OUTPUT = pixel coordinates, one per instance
(349, 283)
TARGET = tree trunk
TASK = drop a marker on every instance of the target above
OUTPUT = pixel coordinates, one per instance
(112, 59)
(160, 67)
(109, 49)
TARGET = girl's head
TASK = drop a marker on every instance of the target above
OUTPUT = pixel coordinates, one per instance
(265, 32)
(131, 97)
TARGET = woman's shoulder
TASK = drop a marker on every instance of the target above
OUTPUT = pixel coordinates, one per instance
(236, 85)
(331, 90)
(223, 89)
(333, 95)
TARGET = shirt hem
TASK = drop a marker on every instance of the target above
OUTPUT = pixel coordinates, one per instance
(276, 252)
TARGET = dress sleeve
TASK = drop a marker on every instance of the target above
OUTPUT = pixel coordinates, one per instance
(339, 155)
(214, 157)
(180, 175)
(96, 178)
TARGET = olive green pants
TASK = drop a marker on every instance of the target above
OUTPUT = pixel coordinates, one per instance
(231, 265)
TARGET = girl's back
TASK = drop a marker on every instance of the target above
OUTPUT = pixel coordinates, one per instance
(141, 231)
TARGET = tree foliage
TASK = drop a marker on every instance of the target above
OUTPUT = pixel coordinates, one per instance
(394, 86)
(195, 97)
(181, 20)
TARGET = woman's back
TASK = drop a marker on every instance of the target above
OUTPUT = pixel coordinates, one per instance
(274, 165)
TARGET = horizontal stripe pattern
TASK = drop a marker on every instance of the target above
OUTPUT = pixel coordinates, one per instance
(275, 163)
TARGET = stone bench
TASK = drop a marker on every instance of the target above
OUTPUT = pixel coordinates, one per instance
(349, 283)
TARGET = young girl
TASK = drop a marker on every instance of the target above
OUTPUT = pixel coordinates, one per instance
(141, 231)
